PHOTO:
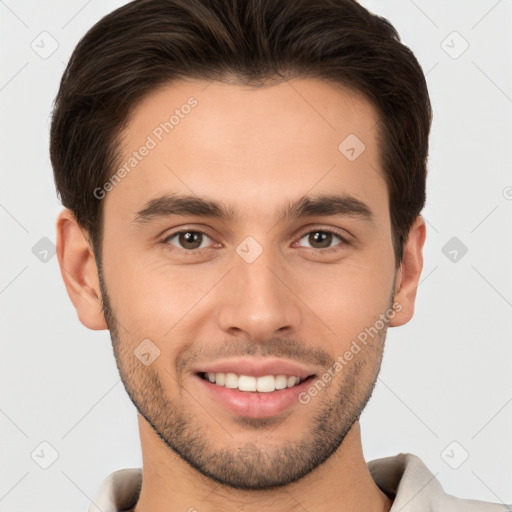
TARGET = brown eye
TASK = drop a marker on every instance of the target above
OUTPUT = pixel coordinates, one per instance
(188, 240)
(321, 239)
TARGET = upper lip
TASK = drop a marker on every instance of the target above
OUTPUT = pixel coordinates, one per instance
(257, 367)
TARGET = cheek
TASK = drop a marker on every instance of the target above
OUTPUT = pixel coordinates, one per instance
(349, 297)
(153, 299)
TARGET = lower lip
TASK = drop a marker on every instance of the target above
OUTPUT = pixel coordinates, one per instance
(253, 404)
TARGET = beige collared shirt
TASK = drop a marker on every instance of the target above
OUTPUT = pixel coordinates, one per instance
(403, 477)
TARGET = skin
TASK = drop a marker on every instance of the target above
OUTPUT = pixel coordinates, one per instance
(256, 150)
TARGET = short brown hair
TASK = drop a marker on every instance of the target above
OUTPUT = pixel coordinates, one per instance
(148, 43)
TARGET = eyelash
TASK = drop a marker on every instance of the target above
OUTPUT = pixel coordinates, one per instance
(344, 241)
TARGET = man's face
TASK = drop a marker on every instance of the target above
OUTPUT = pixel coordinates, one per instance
(259, 293)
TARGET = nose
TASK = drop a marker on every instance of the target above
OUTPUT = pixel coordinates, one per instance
(258, 299)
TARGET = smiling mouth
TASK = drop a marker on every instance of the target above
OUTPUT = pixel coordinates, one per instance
(249, 383)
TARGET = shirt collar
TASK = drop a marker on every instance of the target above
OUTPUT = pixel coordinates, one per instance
(403, 477)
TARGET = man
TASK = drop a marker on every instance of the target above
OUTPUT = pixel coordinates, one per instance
(243, 182)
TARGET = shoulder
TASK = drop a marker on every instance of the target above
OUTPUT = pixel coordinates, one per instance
(451, 503)
(413, 488)
(119, 491)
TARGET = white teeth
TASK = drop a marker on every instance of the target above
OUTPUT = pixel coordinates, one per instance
(231, 380)
(281, 381)
(264, 384)
(291, 381)
(246, 383)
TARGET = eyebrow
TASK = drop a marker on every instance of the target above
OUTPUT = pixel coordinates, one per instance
(323, 205)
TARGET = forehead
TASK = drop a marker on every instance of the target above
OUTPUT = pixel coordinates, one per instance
(242, 144)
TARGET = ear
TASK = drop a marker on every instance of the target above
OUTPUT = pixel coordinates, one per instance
(79, 271)
(409, 273)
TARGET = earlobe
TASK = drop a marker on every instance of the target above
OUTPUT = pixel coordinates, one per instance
(409, 274)
(79, 271)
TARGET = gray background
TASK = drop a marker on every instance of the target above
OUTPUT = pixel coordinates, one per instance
(444, 392)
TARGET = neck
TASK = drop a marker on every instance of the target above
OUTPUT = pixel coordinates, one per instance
(343, 482)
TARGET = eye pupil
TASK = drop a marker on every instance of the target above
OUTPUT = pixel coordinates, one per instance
(320, 237)
(190, 239)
